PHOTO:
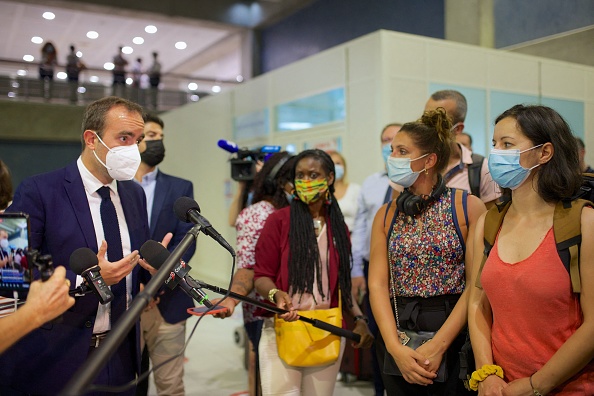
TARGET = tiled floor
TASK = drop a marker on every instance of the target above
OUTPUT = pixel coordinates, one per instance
(215, 362)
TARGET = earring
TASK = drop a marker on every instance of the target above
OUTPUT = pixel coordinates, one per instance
(426, 171)
(328, 198)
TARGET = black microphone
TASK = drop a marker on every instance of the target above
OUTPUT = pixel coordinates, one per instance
(188, 210)
(156, 254)
(85, 263)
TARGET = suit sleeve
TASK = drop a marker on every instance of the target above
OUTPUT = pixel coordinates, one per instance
(182, 228)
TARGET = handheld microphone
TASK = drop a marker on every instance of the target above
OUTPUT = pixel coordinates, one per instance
(228, 145)
(188, 211)
(156, 254)
(85, 263)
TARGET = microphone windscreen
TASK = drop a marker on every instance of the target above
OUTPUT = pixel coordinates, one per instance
(228, 146)
(181, 207)
(154, 253)
(82, 259)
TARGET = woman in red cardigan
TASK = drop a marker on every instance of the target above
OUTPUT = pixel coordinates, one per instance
(303, 259)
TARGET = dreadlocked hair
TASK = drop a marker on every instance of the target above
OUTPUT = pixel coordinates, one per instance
(304, 255)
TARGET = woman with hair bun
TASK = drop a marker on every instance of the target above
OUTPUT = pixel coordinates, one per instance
(420, 263)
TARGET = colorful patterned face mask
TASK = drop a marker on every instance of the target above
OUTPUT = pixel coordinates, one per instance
(310, 191)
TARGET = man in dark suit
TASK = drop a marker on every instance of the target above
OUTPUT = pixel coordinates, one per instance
(66, 212)
(164, 327)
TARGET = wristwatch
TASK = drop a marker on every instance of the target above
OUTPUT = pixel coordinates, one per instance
(271, 294)
(362, 317)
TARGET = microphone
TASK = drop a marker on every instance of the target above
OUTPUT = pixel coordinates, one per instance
(85, 263)
(228, 145)
(188, 211)
(156, 254)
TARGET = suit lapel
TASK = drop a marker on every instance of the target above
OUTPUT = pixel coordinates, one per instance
(78, 199)
(161, 189)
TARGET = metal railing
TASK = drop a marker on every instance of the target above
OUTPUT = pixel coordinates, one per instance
(19, 81)
(64, 92)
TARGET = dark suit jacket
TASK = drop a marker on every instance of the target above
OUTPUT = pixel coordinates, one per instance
(45, 360)
(173, 304)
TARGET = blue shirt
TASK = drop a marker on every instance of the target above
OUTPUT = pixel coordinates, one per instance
(148, 183)
(371, 198)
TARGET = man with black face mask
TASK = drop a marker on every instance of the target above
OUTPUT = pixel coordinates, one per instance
(164, 326)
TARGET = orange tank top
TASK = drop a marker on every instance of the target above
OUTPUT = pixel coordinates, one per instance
(534, 313)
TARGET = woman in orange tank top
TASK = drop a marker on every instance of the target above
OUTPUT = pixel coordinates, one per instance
(531, 335)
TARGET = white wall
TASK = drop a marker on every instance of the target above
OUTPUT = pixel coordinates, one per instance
(387, 77)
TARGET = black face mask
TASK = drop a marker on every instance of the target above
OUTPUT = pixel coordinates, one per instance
(154, 153)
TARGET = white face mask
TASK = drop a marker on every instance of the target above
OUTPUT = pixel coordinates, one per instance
(4, 243)
(121, 162)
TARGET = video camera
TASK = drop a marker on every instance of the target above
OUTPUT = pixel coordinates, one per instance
(243, 165)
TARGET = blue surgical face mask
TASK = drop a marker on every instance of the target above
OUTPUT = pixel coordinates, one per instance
(338, 172)
(386, 152)
(400, 172)
(505, 168)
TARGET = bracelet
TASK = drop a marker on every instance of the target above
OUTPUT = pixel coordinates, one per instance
(481, 374)
(363, 318)
(271, 294)
(536, 393)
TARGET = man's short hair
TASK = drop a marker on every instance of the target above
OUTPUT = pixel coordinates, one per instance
(458, 98)
(153, 118)
(96, 112)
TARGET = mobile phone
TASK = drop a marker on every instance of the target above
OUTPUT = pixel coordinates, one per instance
(16, 273)
(202, 310)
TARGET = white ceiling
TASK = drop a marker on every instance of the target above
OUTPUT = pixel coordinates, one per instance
(213, 50)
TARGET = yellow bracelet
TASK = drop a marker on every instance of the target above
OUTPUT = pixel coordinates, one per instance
(482, 373)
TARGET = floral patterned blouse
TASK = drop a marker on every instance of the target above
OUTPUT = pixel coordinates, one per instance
(425, 253)
(249, 224)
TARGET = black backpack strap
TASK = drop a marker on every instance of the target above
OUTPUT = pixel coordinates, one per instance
(474, 174)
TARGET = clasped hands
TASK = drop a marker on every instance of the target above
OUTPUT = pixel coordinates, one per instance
(418, 366)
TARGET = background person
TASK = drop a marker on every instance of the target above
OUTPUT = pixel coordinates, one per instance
(582, 156)
(5, 251)
(305, 272)
(49, 59)
(164, 327)
(119, 73)
(346, 193)
(73, 68)
(5, 186)
(376, 190)
(465, 140)
(525, 318)
(154, 73)
(272, 191)
(425, 259)
(465, 170)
